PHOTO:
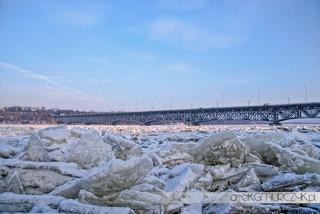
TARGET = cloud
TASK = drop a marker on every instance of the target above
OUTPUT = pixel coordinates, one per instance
(35, 76)
(140, 55)
(181, 5)
(180, 33)
(91, 81)
(100, 60)
(182, 67)
(78, 13)
(77, 18)
(46, 92)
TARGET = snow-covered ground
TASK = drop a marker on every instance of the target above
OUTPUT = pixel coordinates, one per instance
(154, 169)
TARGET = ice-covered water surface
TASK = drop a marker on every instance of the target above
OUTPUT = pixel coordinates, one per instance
(153, 169)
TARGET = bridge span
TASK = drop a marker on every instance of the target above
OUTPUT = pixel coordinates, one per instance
(270, 113)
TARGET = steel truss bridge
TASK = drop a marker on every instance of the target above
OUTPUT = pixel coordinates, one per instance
(270, 113)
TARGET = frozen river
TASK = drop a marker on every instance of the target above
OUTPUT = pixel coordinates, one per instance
(155, 169)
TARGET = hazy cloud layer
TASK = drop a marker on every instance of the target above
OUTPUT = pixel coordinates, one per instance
(43, 91)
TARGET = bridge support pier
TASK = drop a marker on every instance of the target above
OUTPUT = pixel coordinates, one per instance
(275, 123)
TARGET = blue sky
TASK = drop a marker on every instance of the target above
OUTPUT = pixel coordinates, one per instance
(161, 54)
